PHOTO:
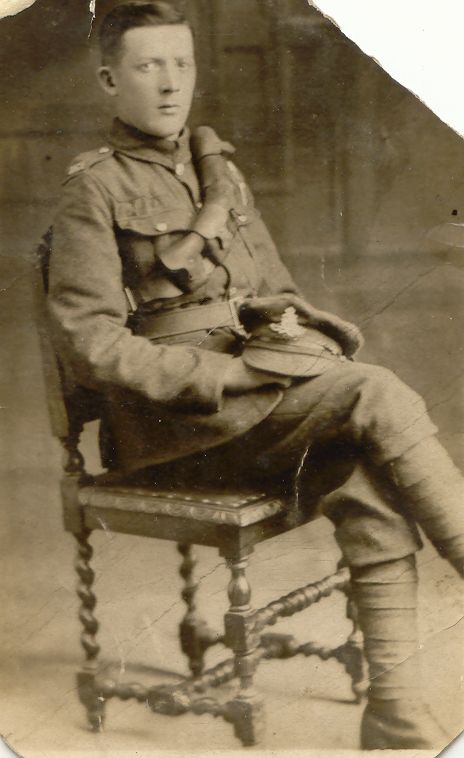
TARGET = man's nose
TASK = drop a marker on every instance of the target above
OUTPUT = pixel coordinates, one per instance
(169, 81)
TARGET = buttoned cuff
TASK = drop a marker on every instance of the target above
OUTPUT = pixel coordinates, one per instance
(210, 221)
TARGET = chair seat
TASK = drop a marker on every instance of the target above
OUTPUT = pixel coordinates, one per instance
(202, 514)
(205, 505)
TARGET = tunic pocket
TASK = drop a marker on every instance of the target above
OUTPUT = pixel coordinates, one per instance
(146, 216)
(147, 231)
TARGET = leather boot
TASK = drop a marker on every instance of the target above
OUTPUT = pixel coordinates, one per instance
(401, 725)
(395, 716)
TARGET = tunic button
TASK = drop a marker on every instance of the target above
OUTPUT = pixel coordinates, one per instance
(162, 227)
(179, 169)
(199, 205)
(233, 291)
(104, 150)
(242, 219)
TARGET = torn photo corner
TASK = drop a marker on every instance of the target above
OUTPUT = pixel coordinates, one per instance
(418, 44)
(205, 548)
(11, 7)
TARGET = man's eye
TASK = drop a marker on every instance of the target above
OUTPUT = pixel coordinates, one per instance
(183, 64)
(146, 67)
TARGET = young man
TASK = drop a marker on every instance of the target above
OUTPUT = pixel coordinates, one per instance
(159, 260)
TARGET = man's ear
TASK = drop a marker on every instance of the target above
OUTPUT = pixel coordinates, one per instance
(106, 80)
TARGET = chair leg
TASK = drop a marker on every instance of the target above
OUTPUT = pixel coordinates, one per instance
(192, 627)
(88, 693)
(246, 710)
(355, 663)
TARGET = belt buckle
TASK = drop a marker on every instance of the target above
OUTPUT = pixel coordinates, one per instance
(234, 304)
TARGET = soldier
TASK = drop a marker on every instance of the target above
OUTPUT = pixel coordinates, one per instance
(168, 297)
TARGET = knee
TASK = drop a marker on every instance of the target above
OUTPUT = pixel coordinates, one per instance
(377, 375)
(389, 392)
(389, 417)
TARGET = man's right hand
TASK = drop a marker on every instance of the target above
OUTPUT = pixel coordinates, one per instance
(239, 378)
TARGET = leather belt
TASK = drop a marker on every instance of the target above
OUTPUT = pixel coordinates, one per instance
(193, 319)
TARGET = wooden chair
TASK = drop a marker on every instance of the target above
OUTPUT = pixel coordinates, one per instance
(232, 522)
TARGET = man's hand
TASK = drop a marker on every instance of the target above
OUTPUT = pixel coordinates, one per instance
(239, 378)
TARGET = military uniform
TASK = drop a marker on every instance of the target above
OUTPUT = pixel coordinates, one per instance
(123, 206)
(154, 332)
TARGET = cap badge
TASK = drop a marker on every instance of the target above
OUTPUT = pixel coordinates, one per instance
(288, 325)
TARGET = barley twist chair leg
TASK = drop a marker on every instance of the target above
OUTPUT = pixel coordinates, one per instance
(195, 636)
(88, 693)
(190, 625)
(246, 710)
(355, 662)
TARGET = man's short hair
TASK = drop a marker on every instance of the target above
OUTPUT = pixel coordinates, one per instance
(132, 15)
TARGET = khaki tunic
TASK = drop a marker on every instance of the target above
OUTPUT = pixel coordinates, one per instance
(122, 207)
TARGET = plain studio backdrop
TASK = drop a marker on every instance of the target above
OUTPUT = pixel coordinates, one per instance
(350, 171)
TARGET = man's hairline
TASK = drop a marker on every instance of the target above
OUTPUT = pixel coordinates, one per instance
(116, 59)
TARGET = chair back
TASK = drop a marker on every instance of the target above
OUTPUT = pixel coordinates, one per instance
(70, 406)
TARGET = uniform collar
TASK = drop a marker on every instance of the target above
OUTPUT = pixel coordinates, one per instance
(144, 147)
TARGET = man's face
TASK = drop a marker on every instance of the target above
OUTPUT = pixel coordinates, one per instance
(154, 79)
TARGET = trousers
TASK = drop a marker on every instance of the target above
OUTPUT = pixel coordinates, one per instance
(329, 444)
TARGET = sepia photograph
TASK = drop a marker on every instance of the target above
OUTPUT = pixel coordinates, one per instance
(232, 279)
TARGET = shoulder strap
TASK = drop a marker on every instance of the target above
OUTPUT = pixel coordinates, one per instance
(84, 161)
